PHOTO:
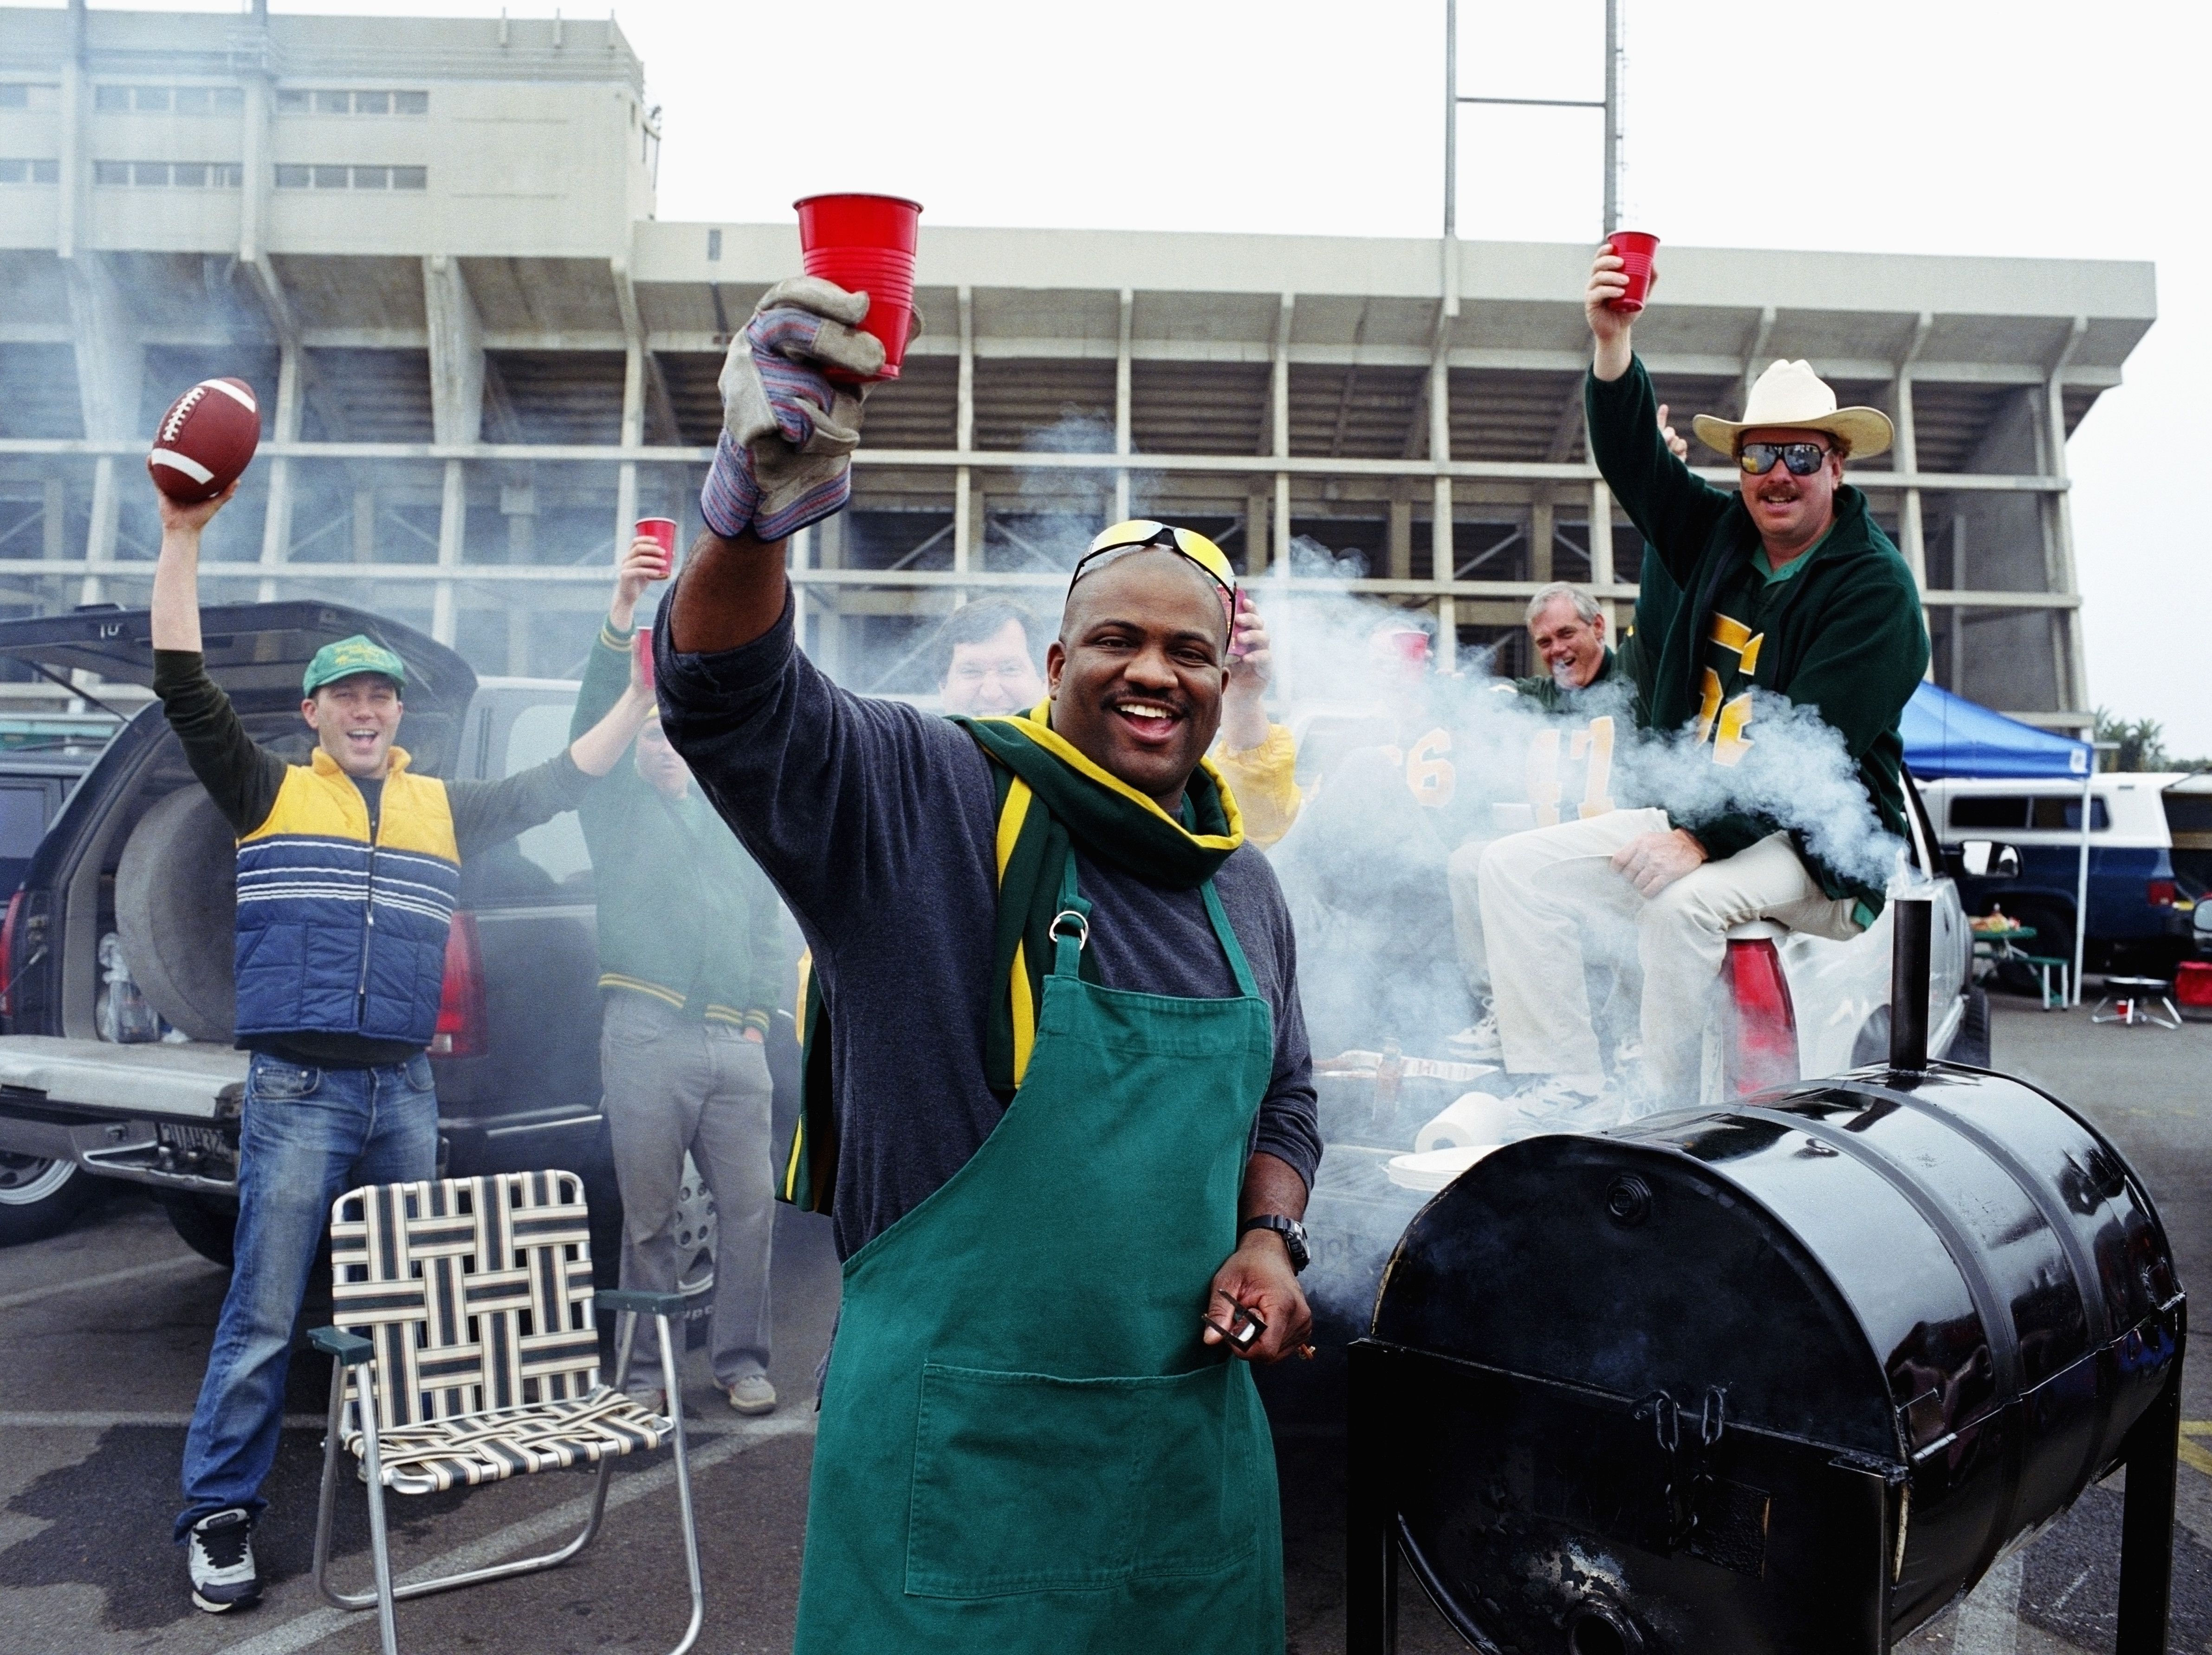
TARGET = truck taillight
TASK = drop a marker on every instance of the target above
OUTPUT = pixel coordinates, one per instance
(2160, 893)
(461, 1000)
(7, 931)
(1765, 1021)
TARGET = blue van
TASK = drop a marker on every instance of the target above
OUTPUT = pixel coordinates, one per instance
(2139, 911)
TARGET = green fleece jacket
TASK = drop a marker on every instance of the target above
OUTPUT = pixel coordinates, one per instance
(686, 915)
(1546, 692)
(1847, 638)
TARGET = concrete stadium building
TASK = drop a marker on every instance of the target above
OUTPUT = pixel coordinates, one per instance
(431, 246)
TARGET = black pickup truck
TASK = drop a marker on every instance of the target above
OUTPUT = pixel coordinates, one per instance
(139, 854)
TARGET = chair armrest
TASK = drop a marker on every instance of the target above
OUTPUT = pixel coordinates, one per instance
(645, 1304)
(350, 1349)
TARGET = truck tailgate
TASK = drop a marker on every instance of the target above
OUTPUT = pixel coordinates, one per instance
(191, 1082)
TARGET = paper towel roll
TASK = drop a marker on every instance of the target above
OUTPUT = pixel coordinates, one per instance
(1472, 1118)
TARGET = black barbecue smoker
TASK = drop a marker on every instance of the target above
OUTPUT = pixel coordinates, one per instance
(1786, 1376)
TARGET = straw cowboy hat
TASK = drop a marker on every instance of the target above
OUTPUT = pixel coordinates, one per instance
(1790, 394)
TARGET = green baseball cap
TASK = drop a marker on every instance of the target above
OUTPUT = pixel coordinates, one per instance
(359, 653)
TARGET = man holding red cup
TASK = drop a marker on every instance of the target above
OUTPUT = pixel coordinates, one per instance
(1785, 588)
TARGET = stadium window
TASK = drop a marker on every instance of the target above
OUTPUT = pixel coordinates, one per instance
(149, 99)
(291, 177)
(372, 178)
(153, 173)
(330, 178)
(14, 172)
(15, 96)
(291, 103)
(45, 172)
(190, 175)
(111, 172)
(410, 178)
(411, 103)
(333, 103)
(714, 244)
(372, 103)
(231, 175)
(194, 100)
(107, 99)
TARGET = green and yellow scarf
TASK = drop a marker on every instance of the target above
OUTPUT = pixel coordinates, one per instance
(1052, 801)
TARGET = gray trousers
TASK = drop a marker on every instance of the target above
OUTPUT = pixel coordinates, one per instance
(674, 1084)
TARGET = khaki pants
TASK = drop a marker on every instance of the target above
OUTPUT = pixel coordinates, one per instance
(673, 1083)
(1546, 892)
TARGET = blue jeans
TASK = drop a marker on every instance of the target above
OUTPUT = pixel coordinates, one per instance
(309, 1136)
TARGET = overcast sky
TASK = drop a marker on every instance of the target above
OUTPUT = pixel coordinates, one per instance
(1886, 125)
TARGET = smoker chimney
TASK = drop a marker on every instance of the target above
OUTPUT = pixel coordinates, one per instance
(1908, 983)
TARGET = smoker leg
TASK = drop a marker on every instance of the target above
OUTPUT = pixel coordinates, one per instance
(2147, 1523)
(1370, 1571)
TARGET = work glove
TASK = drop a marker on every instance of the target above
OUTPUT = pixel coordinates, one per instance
(784, 459)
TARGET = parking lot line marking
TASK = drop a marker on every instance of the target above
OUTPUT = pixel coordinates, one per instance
(318, 1624)
(86, 1283)
(95, 1420)
(2197, 1458)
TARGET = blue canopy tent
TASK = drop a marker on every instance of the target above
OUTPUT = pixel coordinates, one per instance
(1946, 735)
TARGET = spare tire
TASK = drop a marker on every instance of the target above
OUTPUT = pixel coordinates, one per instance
(176, 908)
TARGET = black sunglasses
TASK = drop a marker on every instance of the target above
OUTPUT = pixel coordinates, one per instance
(1802, 458)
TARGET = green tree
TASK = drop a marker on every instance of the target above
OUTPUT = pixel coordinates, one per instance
(2142, 743)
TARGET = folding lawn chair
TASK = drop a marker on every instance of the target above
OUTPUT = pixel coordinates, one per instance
(465, 1312)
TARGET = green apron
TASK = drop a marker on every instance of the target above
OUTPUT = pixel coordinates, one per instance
(1024, 1445)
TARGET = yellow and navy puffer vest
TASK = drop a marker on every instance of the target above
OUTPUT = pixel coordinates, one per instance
(337, 935)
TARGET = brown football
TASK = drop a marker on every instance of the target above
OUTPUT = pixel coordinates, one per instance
(205, 439)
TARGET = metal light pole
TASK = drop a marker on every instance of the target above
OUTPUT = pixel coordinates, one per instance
(1610, 104)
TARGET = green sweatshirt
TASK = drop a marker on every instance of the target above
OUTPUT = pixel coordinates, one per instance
(1548, 694)
(1842, 632)
(686, 915)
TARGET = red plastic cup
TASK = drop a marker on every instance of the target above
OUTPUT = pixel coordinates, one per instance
(662, 531)
(1634, 249)
(866, 243)
(643, 644)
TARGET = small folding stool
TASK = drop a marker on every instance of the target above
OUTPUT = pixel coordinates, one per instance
(466, 1352)
(2137, 1000)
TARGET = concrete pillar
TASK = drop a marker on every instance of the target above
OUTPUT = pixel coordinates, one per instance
(364, 525)
(276, 522)
(520, 507)
(457, 389)
(1600, 544)
(1256, 539)
(1401, 543)
(54, 521)
(633, 436)
(1443, 563)
(1539, 538)
(2070, 667)
(1121, 378)
(110, 362)
(967, 515)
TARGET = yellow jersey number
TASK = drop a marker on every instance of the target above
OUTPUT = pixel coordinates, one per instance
(1592, 746)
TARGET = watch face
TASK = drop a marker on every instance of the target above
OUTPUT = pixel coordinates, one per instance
(1294, 1242)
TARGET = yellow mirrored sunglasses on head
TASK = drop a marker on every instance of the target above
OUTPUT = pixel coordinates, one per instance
(1142, 532)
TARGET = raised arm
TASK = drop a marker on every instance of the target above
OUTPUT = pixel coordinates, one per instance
(1643, 463)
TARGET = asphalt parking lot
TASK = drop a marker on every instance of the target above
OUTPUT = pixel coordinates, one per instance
(104, 1331)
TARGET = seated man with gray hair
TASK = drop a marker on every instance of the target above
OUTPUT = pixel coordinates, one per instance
(1566, 634)
(1785, 588)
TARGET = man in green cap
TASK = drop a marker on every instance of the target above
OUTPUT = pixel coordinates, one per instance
(1060, 1105)
(348, 867)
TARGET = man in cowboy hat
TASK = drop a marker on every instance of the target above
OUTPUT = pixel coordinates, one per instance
(1786, 588)
(1059, 1100)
